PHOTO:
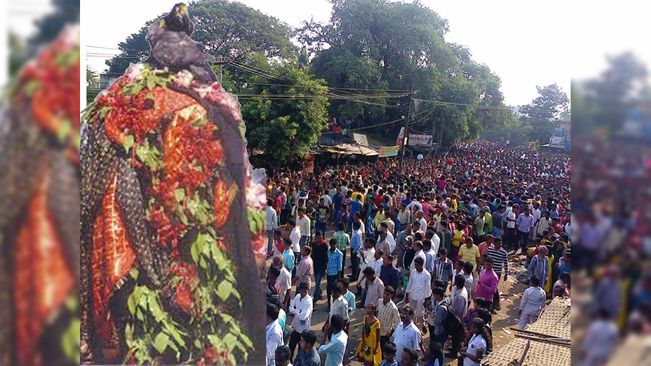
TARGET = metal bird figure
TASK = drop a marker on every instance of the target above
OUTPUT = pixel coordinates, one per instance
(178, 20)
(172, 47)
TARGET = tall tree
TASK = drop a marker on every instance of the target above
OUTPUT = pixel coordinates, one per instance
(607, 98)
(226, 28)
(65, 12)
(396, 46)
(545, 111)
(284, 115)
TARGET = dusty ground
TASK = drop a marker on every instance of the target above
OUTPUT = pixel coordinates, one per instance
(504, 319)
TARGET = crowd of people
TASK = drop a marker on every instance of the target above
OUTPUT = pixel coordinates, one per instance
(419, 250)
(612, 237)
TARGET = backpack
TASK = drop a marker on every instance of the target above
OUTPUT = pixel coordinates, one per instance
(451, 321)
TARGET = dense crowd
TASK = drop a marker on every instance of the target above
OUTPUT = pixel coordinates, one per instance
(612, 217)
(421, 249)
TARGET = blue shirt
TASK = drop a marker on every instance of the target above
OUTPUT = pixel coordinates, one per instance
(390, 276)
(396, 222)
(336, 200)
(288, 255)
(355, 207)
(335, 259)
(356, 241)
(350, 299)
(334, 350)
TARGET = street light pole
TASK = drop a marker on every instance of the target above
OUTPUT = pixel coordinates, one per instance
(405, 139)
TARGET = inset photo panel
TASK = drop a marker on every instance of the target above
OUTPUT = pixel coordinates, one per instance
(172, 212)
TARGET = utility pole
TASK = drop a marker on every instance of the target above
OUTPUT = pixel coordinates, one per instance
(405, 139)
(220, 61)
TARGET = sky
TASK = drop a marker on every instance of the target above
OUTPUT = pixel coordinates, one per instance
(525, 43)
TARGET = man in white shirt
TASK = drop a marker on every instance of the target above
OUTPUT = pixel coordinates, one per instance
(418, 248)
(533, 301)
(436, 241)
(295, 237)
(418, 289)
(509, 236)
(404, 216)
(305, 224)
(284, 279)
(274, 334)
(406, 334)
(271, 225)
(301, 307)
(421, 222)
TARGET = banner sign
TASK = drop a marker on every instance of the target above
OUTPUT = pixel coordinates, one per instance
(420, 140)
(387, 151)
(360, 139)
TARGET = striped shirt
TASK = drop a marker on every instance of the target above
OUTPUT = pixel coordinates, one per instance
(335, 259)
(342, 240)
(500, 260)
(388, 315)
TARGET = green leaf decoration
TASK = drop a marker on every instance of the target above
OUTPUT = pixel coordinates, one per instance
(30, 87)
(199, 121)
(149, 155)
(103, 111)
(64, 129)
(70, 341)
(179, 194)
(225, 290)
(128, 143)
(151, 83)
(161, 341)
(230, 341)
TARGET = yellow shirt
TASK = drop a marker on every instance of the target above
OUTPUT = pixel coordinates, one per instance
(456, 238)
(361, 197)
(469, 254)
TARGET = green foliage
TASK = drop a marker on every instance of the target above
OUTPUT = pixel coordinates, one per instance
(545, 112)
(225, 28)
(603, 102)
(284, 127)
(65, 12)
(17, 53)
(70, 341)
(155, 330)
(378, 44)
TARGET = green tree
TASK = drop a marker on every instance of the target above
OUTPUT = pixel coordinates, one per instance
(545, 111)
(397, 47)
(65, 12)
(284, 117)
(17, 53)
(603, 102)
(92, 85)
(226, 28)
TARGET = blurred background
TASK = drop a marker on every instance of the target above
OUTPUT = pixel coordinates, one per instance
(611, 117)
(39, 179)
(611, 184)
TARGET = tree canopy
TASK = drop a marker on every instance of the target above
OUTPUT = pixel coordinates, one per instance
(225, 28)
(545, 112)
(604, 102)
(371, 55)
(65, 12)
(396, 46)
(284, 115)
